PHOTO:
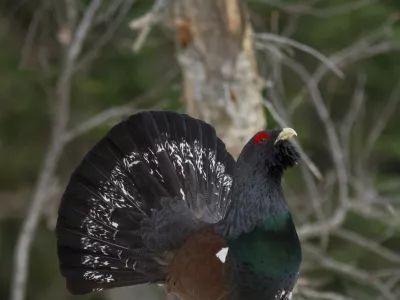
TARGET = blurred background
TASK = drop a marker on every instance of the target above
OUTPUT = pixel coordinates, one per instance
(71, 69)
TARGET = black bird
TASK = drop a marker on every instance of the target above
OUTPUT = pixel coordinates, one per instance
(160, 200)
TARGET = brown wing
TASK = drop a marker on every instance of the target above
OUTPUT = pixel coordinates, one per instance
(196, 272)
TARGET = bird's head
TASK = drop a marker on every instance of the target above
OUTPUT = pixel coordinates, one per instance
(271, 150)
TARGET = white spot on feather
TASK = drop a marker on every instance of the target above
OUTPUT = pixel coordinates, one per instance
(98, 277)
(115, 224)
(222, 254)
(183, 194)
(283, 295)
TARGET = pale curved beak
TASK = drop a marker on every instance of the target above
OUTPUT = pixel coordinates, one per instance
(285, 134)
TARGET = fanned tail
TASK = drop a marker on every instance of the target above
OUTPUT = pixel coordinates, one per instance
(136, 196)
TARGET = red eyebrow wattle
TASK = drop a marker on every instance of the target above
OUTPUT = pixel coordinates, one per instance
(260, 136)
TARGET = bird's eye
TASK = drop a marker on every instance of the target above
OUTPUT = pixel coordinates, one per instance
(261, 138)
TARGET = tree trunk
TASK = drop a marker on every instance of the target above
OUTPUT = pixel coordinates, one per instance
(220, 80)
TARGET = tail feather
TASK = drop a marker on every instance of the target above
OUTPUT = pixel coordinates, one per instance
(136, 196)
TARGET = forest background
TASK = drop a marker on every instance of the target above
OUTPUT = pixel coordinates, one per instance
(71, 69)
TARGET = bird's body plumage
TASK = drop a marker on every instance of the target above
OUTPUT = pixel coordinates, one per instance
(264, 251)
(158, 197)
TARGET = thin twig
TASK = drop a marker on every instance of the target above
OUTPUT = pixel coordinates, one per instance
(316, 202)
(146, 22)
(291, 25)
(314, 229)
(352, 114)
(105, 38)
(312, 167)
(363, 48)
(141, 38)
(26, 49)
(358, 275)
(368, 244)
(333, 139)
(288, 41)
(371, 212)
(151, 17)
(383, 119)
(72, 14)
(313, 294)
(109, 12)
(305, 9)
(119, 111)
(101, 118)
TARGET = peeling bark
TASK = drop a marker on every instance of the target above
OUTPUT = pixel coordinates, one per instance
(216, 55)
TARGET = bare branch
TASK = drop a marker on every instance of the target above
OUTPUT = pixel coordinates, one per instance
(334, 222)
(367, 202)
(150, 18)
(82, 31)
(312, 167)
(143, 34)
(72, 14)
(363, 48)
(26, 49)
(387, 272)
(98, 120)
(305, 9)
(349, 55)
(275, 115)
(374, 44)
(316, 202)
(354, 273)
(368, 244)
(313, 294)
(101, 118)
(333, 139)
(302, 47)
(352, 114)
(291, 25)
(368, 211)
(340, 9)
(383, 119)
(105, 38)
(53, 154)
(372, 51)
(109, 12)
(146, 22)
(119, 111)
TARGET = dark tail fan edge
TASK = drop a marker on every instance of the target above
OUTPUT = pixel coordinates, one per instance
(137, 195)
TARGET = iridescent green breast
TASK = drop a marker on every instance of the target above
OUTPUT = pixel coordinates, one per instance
(272, 249)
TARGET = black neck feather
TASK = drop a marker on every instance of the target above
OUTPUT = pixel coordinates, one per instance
(257, 194)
